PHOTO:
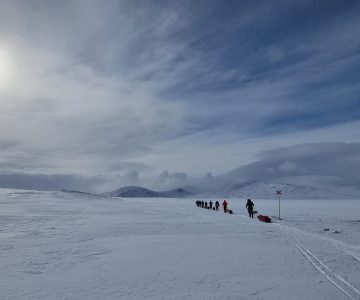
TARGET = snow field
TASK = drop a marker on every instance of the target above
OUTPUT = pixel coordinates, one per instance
(56, 245)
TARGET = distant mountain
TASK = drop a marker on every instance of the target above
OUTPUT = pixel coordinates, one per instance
(77, 192)
(176, 193)
(191, 189)
(294, 187)
(140, 192)
(133, 191)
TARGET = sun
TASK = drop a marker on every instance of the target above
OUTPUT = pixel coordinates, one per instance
(5, 69)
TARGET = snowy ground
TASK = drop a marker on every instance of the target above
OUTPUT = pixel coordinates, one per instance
(56, 245)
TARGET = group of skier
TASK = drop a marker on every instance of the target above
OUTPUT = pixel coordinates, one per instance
(205, 204)
(209, 205)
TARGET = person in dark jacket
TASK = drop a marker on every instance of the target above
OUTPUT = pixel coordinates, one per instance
(210, 204)
(250, 207)
(205, 205)
(217, 204)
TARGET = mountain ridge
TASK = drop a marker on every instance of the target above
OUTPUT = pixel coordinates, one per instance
(141, 192)
(293, 187)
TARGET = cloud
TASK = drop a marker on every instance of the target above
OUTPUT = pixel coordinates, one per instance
(168, 180)
(125, 90)
(48, 181)
(287, 166)
(69, 116)
(323, 159)
(326, 159)
(275, 54)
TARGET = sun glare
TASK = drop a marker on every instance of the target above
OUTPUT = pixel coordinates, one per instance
(5, 69)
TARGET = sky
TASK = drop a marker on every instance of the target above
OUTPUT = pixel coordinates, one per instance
(95, 95)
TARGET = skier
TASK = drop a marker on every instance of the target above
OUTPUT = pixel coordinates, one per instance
(217, 204)
(202, 203)
(250, 207)
(224, 204)
(210, 204)
(206, 205)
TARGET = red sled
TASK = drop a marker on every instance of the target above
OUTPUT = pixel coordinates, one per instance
(265, 219)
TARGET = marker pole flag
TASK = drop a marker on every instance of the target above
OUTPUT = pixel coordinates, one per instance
(279, 193)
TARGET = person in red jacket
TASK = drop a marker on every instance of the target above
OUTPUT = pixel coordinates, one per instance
(225, 204)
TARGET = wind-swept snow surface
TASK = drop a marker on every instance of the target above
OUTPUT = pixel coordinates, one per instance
(56, 245)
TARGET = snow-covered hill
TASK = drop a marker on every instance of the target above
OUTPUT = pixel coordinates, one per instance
(315, 170)
(140, 192)
(294, 187)
(132, 191)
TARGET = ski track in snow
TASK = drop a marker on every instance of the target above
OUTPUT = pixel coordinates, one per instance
(343, 285)
(346, 248)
